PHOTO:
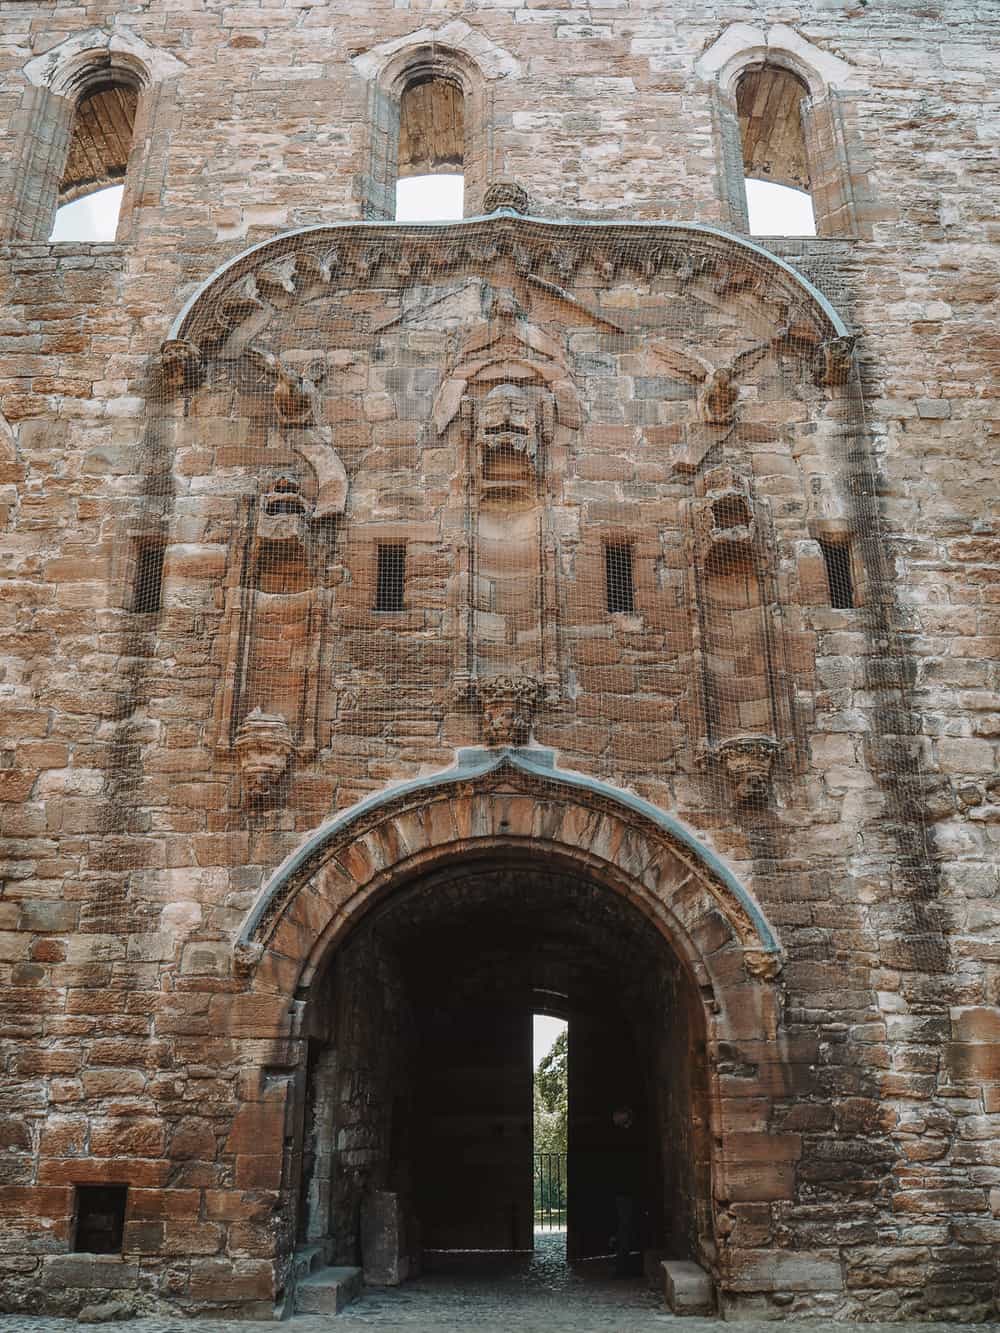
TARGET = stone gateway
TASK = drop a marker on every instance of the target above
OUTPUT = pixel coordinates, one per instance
(583, 604)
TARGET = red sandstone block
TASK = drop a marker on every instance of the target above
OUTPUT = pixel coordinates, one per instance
(190, 1237)
(240, 1205)
(970, 1061)
(258, 1171)
(228, 1280)
(142, 1237)
(750, 1182)
(976, 1025)
(63, 1136)
(133, 1138)
(749, 1148)
(149, 1205)
(258, 1126)
(34, 1201)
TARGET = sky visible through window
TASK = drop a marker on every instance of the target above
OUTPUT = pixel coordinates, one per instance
(775, 210)
(546, 1030)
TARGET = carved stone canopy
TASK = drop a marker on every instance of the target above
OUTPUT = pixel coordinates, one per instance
(725, 518)
(283, 513)
(508, 703)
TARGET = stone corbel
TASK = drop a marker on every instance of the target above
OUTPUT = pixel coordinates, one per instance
(508, 705)
(263, 747)
(747, 762)
(176, 369)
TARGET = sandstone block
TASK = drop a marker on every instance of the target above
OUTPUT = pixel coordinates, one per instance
(688, 1288)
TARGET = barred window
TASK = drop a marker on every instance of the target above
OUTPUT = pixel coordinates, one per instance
(618, 576)
(837, 558)
(390, 577)
(147, 587)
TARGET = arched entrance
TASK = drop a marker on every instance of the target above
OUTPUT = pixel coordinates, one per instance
(421, 1073)
(403, 950)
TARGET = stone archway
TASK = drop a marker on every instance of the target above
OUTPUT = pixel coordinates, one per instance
(507, 805)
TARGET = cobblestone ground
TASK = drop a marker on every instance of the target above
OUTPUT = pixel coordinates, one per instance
(543, 1296)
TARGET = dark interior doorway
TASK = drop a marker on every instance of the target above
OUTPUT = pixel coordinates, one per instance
(421, 1072)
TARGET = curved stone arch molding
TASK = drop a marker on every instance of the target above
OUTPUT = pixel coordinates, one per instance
(493, 61)
(342, 847)
(743, 43)
(243, 264)
(59, 67)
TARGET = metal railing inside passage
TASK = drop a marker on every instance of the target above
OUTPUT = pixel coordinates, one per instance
(550, 1191)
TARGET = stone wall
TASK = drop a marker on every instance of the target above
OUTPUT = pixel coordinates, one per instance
(131, 1049)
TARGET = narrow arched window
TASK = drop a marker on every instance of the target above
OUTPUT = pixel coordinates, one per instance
(93, 178)
(776, 167)
(430, 172)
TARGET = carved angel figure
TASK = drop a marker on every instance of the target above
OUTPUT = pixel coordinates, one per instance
(296, 392)
(718, 386)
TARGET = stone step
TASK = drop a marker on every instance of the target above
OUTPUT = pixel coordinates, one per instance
(327, 1290)
(307, 1259)
(688, 1288)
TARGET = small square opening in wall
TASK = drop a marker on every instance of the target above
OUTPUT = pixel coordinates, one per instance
(100, 1218)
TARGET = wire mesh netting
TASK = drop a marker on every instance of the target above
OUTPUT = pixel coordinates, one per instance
(602, 488)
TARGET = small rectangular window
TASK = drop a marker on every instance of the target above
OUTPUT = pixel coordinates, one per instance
(618, 575)
(837, 558)
(390, 578)
(100, 1218)
(147, 589)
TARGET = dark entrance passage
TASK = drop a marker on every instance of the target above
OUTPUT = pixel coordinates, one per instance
(420, 1090)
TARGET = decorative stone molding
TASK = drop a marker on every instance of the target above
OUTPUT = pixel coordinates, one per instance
(743, 44)
(238, 304)
(263, 745)
(493, 60)
(497, 797)
(60, 68)
(505, 196)
(761, 963)
(508, 704)
(283, 513)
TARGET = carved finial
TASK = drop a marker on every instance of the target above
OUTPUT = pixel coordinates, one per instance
(505, 196)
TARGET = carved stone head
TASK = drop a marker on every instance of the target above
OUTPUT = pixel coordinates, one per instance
(263, 745)
(508, 703)
(747, 761)
(282, 512)
(176, 368)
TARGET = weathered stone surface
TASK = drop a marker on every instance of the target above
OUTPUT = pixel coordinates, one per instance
(522, 407)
